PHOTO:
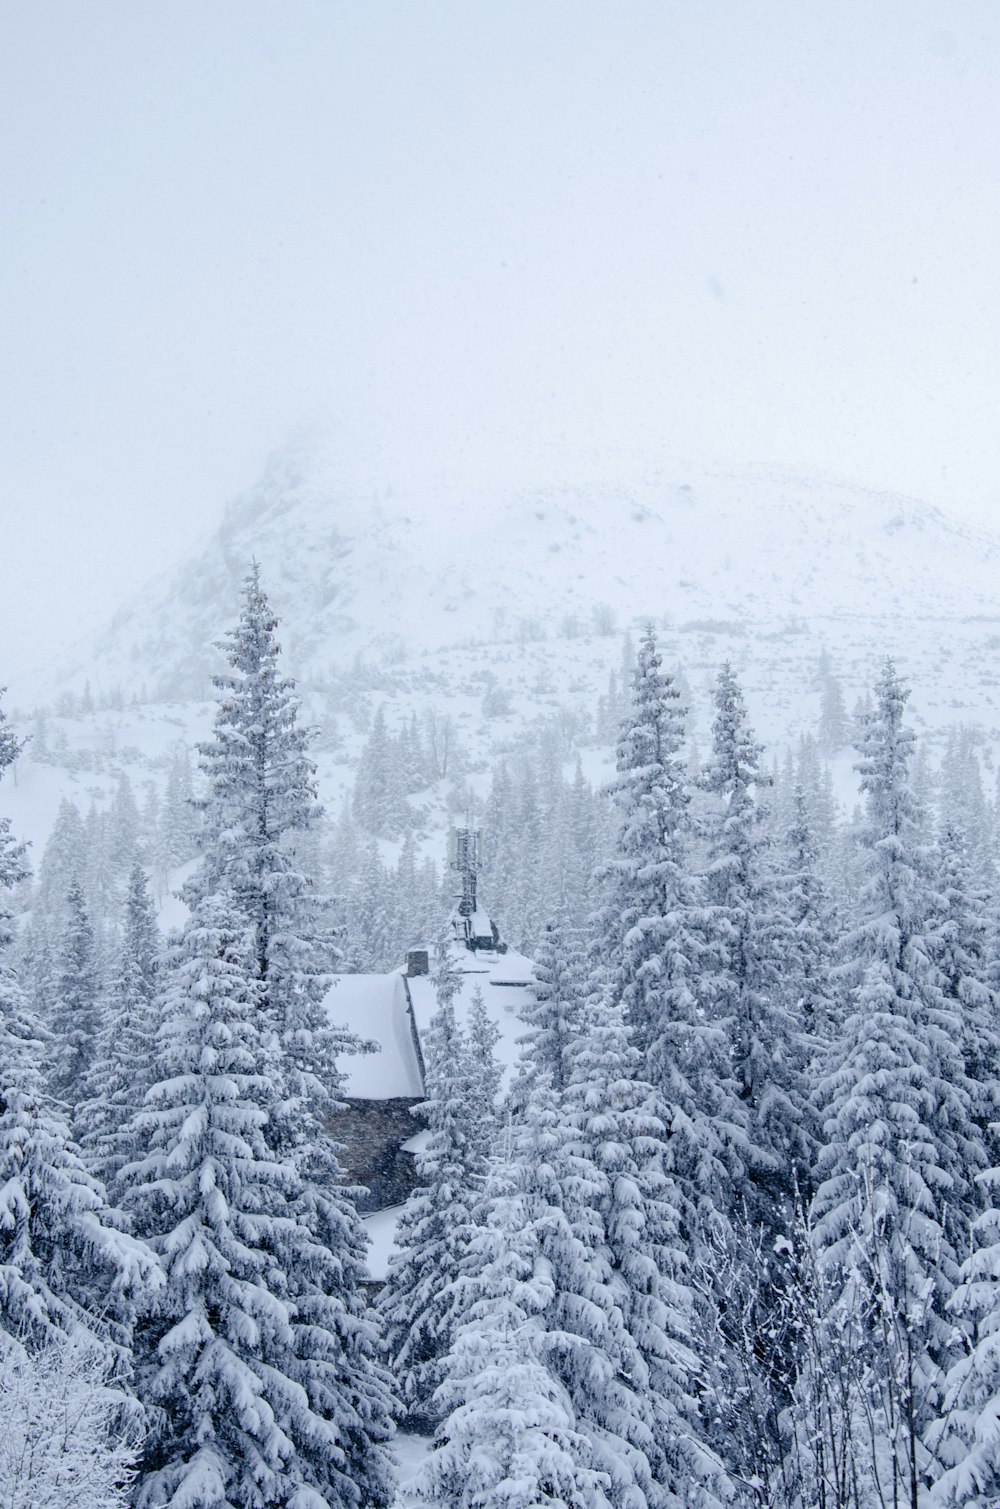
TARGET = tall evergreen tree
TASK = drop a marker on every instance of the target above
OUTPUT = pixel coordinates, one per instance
(64, 1266)
(10, 744)
(178, 835)
(744, 990)
(407, 924)
(500, 873)
(582, 1214)
(959, 942)
(418, 1302)
(124, 1063)
(13, 861)
(900, 1144)
(369, 930)
(260, 799)
(380, 786)
(124, 826)
(807, 983)
(261, 795)
(485, 1072)
(584, 1340)
(834, 724)
(966, 1436)
(39, 943)
(100, 887)
(554, 1016)
(259, 1380)
(74, 1013)
(509, 1437)
(640, 1253)
(652, 946)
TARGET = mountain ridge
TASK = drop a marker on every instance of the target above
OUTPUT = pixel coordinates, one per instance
(383, 572)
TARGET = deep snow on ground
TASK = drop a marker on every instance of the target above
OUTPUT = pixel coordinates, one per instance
(411, 1451)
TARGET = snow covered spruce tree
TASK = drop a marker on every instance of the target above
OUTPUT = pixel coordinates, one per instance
(966, 1437)
(75, 1012)
(124, 1064)
(13, 865)
(258, 1379)
(39, 943)
(554, 1017)
(64, 1266)
(371, 946)
(261, 795)
(600, 1385)
(261, 799)
(485, 1073)
(10, 745)
(807, 984)
(651, 943)
(176, 838)
(580, 1211)
(744, 987)
(379, 803)
(893, 1197)
(638, 1251)
(509, 1437)
(959, 941)
(418, 1302)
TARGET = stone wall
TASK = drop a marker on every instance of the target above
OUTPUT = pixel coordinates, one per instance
(371, 1132)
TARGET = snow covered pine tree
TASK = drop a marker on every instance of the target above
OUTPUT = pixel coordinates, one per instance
(64, 1266)
(901, 1145)
(419, 1304)
(268, 946)
(258, 1381)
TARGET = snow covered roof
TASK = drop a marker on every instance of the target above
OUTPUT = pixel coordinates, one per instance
(381, 1228)
(389, 1008)
(375, 1008)
(506, 981)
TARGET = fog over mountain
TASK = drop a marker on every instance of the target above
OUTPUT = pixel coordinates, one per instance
(465, 236)
(774, 567)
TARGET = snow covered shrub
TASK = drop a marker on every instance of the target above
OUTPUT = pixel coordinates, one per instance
(68, 1435)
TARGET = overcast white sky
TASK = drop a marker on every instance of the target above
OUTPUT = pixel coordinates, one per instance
(732, 230)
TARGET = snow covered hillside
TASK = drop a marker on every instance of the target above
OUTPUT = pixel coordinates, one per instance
(504, 610)
(390, 574)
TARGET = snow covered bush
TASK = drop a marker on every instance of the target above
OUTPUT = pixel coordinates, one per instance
(68, 1435)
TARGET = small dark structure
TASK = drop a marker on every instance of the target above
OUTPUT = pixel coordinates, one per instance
(417, 962)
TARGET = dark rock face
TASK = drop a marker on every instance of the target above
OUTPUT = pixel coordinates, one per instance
(370, 1133)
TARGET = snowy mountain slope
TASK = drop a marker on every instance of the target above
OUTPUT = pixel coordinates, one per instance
(504, 611)
(385, 573)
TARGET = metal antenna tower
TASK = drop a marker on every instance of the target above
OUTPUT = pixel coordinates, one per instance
(464, 857)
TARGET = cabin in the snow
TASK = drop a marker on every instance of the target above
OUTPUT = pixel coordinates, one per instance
(378, 1130)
